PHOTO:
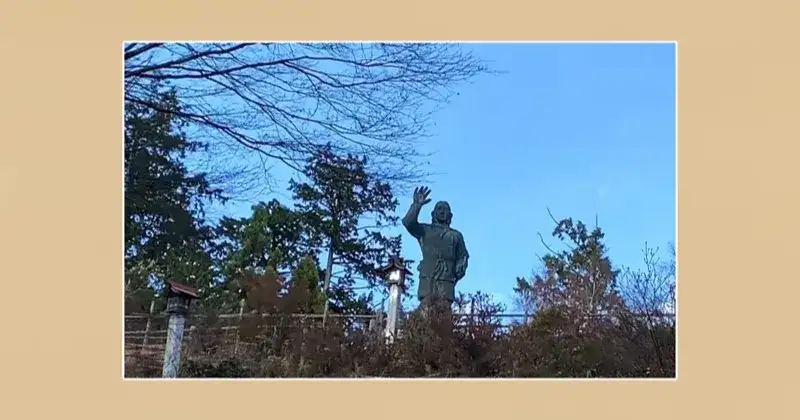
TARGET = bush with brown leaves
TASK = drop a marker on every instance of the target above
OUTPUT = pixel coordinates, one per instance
(432, 343)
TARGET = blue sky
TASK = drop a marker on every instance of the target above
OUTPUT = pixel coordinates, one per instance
(584, 129)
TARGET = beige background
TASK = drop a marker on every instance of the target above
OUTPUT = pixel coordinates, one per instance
(61, 208)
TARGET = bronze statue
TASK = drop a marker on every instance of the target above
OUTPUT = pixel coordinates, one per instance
(444, 254)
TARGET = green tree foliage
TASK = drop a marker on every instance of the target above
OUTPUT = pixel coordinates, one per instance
(274, 236)
(305, 287)
(579, 280)
(272, 239)
(288, 241)
(166, 237)
(585, 324)
(346, 208)
(576, 305)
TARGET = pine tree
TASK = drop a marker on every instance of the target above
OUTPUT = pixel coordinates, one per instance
(166, 237)
(337, 199)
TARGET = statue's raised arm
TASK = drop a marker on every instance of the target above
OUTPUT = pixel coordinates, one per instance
(410, 220)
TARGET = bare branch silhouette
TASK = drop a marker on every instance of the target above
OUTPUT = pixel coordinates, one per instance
(286, 102)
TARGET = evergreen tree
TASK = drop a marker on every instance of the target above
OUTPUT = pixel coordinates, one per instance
(166, 237)
(578, 282)
(305, 287)
(346, 208)
(272, 237)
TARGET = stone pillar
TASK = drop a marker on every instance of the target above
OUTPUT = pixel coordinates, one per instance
(178, 299)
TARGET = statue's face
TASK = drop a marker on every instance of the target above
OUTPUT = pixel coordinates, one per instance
(441, 213)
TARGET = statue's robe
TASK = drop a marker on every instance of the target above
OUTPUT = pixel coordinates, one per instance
(444, 258)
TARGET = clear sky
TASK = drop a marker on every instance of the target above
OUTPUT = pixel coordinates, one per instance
(584, 129)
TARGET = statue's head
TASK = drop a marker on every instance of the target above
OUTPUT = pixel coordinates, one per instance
(441, 214)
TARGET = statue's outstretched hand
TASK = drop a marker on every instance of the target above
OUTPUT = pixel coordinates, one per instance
(421, 195)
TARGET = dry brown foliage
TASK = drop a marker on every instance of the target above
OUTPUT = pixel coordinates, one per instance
(272, 340)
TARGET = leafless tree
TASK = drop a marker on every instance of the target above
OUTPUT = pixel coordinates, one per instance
(650, 290)
(284, 101)
(649, 293)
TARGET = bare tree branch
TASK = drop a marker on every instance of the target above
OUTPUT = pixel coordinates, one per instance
(285, 102)
(132, 50)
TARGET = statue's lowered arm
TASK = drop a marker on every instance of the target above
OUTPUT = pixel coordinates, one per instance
(462, 258)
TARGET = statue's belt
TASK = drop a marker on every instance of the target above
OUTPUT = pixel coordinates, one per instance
(439, 279)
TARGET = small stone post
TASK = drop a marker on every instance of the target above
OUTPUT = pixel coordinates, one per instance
(396, 273)
(179, 297)
(395, 298)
